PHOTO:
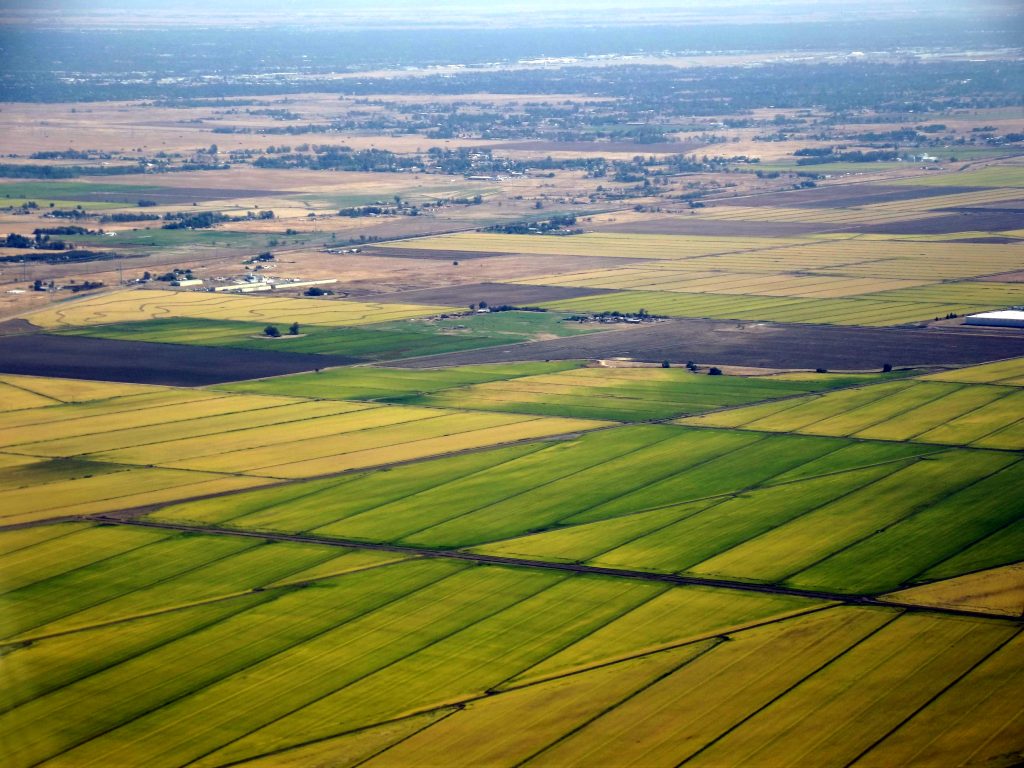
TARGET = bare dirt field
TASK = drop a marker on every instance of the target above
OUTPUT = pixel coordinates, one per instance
(842, 195)
(966, 221)
(435, 255)
(1006, 277)
(758, 345)
(493, 293)
(80, 357)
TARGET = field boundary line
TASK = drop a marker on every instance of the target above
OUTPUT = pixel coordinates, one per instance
(712, 645)
(726, 632)
(914, 511)
(504, 685)
(133, 589)
(529, 419)
(473, 557)
(220, 677)
(570, 474)
(412, 494)
(910, 461)
(946, 689)
(99, 670)
(189, 437)
(975, 409)
(674, 472)
(290, 586)
(790, 688)
(405, 656)
(144, 509)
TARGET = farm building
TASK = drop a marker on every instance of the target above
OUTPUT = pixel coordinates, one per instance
(1005, 318)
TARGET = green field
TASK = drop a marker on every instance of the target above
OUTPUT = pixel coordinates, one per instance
(712, 503)
(947, 412)
(391, 384)
(377, 341)
(876, 309)
(348, 652)
(629, 394)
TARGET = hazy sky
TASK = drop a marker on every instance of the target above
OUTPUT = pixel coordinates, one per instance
(491, 12)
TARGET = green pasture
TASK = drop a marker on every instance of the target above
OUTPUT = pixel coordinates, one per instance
(391, 384)
(870, 309)
(381, 341)
(629, 394)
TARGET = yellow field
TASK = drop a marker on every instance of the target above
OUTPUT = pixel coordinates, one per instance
(128, 306)
(674, 276)
(107, 493)
(998, 590)
(595, 244)
(1005, 372)
(72, 390)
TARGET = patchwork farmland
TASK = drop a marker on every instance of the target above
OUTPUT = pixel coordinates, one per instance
(487, 568)
(435, 388)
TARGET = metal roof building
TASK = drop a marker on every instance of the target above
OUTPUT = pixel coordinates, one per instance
(1005, 318)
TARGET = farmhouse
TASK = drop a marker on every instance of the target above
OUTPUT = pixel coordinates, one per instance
(1005, 318)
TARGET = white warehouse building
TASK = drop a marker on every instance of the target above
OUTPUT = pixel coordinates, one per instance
(1004, 318)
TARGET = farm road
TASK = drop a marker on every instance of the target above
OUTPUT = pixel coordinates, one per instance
(515, 562)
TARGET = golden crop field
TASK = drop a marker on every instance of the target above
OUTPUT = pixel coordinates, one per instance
(128, 306)
(954, 413)
(666, 277)
(596, 244)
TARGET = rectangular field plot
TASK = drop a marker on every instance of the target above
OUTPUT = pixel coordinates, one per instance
(108, 492)
(856, 530)
(624, 394)
(412, 337)
(596, 244)
(1009, 373)
(54, 391)
(129, 306)
(361, 648)
(927, 411)
(717, 703)
(869, 310)
(388, 383)
(643, 497)
(665, 276)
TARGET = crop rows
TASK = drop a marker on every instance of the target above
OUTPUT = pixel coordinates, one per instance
(947, 412)
(865, 310)
(807, 511)
(416, 660)
(625, 394)
(128, 306)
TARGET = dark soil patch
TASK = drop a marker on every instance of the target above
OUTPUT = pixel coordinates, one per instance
(1006, 277)
(842, 196)
(139, 362)
(686, 224)
(974, 221)
(15, 327)
(494, 294)
(426, 253)
(994, 240)
(761, 345)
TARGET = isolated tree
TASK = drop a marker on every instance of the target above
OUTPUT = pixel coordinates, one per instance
(714, 372)
(887, 368)
(272, 331)
(293, 329)
(666, 364)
